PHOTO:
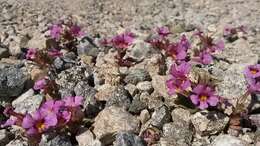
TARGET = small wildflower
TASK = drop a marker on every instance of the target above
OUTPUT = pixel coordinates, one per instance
(54, 53)
(179, 78)
(56, 31)
(179, 50)
(122, 41)
(38, 123)
(163, 31)
(252, 71)
(51, 108)
(31, 54)
(231, 32)
(40, 84)
(205, 58)
(76, 31)
(9, 122)
(203, 96)
(73, 101)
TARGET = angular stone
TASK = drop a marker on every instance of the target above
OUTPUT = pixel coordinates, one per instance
(85, 138)
(144, 116)
(209, 122)
(5, 137)
(228, 140)
(3, 53)
(128, 139)
(180, 114)
(12, 81)
(137, 75)
(161, 116)
(137, 106)
(56, 141)
(104, 92)
(27, 102)
(112, 120)
(120, 97)
(145, 86)
(159, 85)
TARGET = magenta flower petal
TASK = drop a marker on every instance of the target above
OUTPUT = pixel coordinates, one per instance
(198, 89)
(203, 105)
(40, 84)
(163, 31)
(55, 31)
(194, 99)
(213, 100)
(76, 31)
(28, 121)
(11, 121)
(55, 53)
(31, 131)
(205, 58)
(79, 100)
(31, 54)
(50, 120)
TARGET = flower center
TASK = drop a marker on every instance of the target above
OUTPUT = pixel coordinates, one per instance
(203, 98)
(40, 126)
(253, 71)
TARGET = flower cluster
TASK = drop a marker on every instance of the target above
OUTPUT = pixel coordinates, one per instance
(53, 114)
(207, 47)
(231, 33)
(121, 42)
(252, 74)
(46, 86)
(179, 80)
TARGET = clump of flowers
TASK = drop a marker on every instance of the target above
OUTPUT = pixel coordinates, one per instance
(46, 86)
(121, 43)
(231, 33)
(252, 74)
(52, 115)
(207, 47)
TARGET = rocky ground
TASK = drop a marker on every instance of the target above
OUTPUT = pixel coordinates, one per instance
(123, 102)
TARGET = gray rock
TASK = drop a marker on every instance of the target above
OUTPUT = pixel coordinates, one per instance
(58, 63)
(3, 53)
(159, 85)
(137, 106)
(209, 122)
(128, 139)
(144, 116)
(131, 89)
(112, 120)
(17, 142)
(139, 51)
(83, 89)
(86, 138)
(5, 137)
(161, 116)
(145, 86)
(137, 75)
(86, 48)
(27, 102)
(120, 97)
(56, 141)
(227, 140)
(12, 81)
(180, 114)
(178, 131)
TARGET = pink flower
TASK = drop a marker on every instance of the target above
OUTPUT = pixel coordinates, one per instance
(163, 31)
(73, 101)
(177, 85)
(55, 31)
(252, 71)
(37, 123)
(31, 54)
(180, 71)
(253, 85)
(122, 41)
(203, 96)
(179, 50)
(40, 84)
(54, 53)
(205, 58)
(179, 78)
(76, 31)
(11, 121)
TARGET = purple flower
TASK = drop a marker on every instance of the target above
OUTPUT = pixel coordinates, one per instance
(51, 107)
(11, 121)
(123, 40)
(40, 84)
(252, 71)
(180, 71)
(253, 85)
(205, 58)
(55, 31)
(203, 96)
(176, 52)
(73, 101)
(163, 31)
(31, 53)
(184, 43)
(76, 31)
(37, 123)
(54, 53)
(177, 85)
